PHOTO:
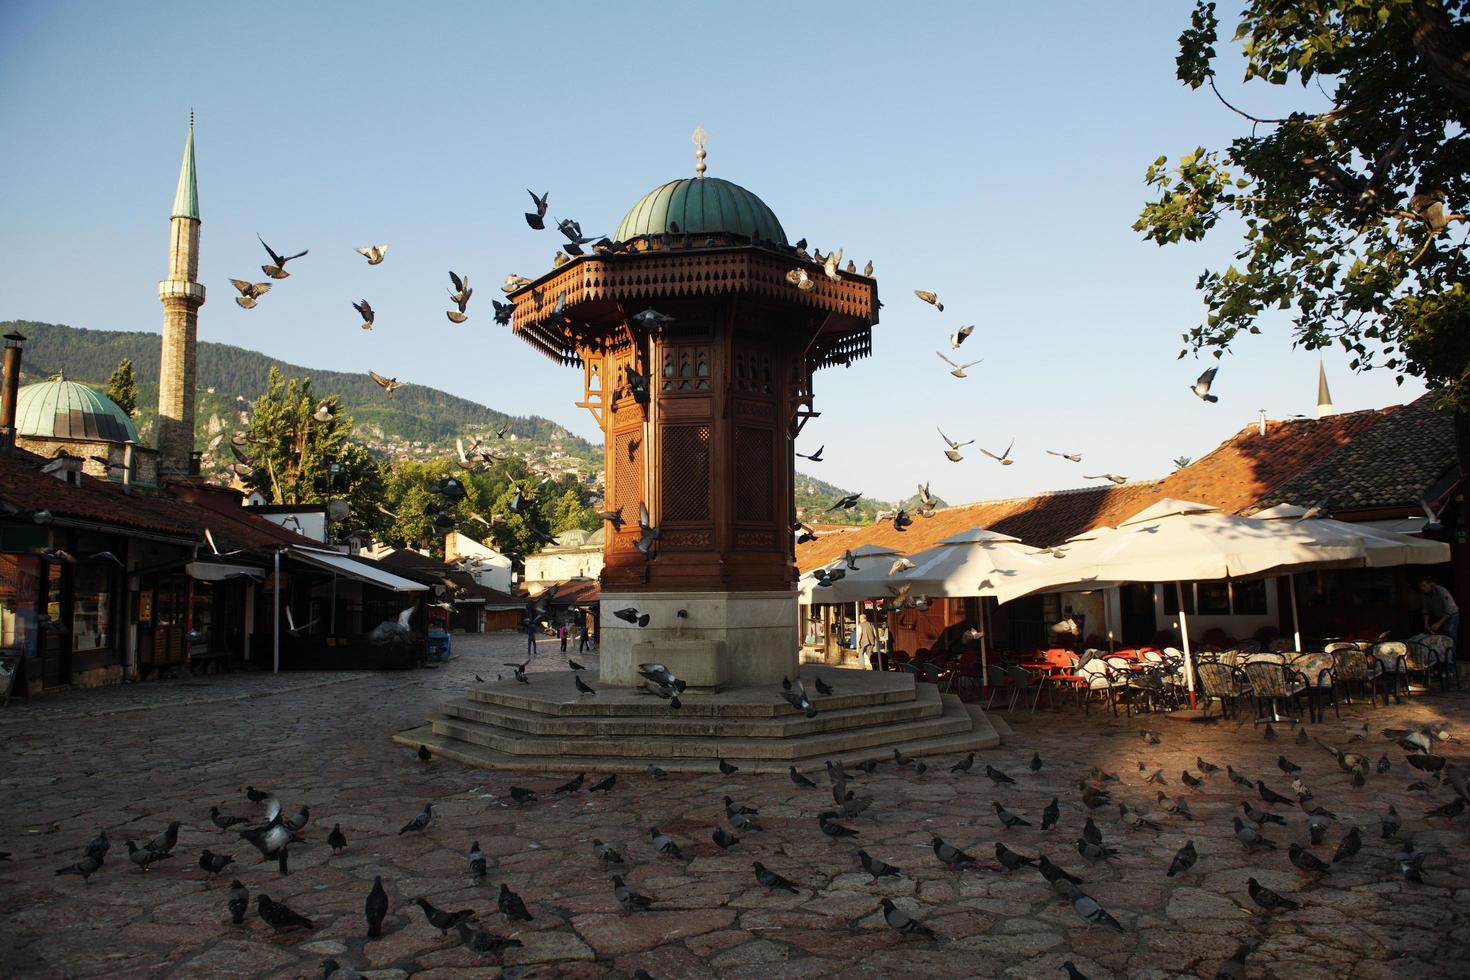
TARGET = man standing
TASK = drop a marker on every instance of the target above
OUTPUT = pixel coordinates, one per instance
(584, 636)
(1441, 614)
(867, 643)
(531, 627)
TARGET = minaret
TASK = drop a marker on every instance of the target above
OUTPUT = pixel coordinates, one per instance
(181, 296)
(1324, 397)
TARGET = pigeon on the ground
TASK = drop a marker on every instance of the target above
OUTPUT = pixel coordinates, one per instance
(511, 905)
(98, 846)
(876, 867)
(1306, 860)
(1008, 820)
(1271, 796)
(165, 840)
(520, 795)
(1250, 838)
(239, 902)
(582, 686)
(279, 916)
(1237, 778)
(1095, 852)
(419, 823)
(823, 688)
(224, 821)
(801, 780)
(628, 898)
(834, 830)
(484, 943)
(1009, 859)
(142, 857)
(724, 839)
(86, 867)
(606, 853)
(903, 923)
(1410, 862)
(604, 785)
(1390, 823)
(1267, 899)
(953, 856)
(727, 768)
(1261, 817)
(441, 919)
(665, 844)
(337, 839)
(1093, 913)
(1205, 767)
(376, 908)
(964, 764)
(1091, 832)
(1317, 827)
(475, 860)
(571, 785)
(1352, 842)
(656, 772)
(212, 863)
(771, 881)
(424, 754)
(1184, 859)
(1050, 815)
(997, 775)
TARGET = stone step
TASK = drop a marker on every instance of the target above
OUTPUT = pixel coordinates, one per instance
(974, 733)
(618, 721)
(554, 693)
(819, 744)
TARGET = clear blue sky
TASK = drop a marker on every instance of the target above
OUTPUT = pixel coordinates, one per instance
(993, 153)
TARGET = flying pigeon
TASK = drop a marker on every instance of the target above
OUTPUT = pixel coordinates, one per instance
(277, 268)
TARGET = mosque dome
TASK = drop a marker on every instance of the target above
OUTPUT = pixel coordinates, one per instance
(701, 206)
(62, 409)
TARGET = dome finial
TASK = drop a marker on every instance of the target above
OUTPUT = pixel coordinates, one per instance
(700, 137)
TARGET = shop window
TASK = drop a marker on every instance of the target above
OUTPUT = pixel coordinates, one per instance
(202, 615)
(91, 602)
(1213, 598)
(1171, 599)
(1249, 598)
(10, 630)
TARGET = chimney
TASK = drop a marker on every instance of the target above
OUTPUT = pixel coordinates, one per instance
(127, 467)
(9, 389)
(1262, 422)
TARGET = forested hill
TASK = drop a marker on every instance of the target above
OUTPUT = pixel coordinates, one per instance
(415, 413)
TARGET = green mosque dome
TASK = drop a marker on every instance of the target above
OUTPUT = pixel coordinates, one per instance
(701, 206)
(62, 409)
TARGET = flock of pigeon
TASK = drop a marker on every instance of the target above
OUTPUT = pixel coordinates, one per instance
(273, 838)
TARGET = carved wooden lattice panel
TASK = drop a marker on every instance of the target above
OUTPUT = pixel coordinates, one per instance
(686, 369)
(753, 370)
(627, 467)
(686, 473)
(753, 461)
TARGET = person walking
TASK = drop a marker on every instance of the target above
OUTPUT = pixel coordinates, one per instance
(584, 636)
(531, 627)
(1441, 613)
(867, 643)
(561, 634)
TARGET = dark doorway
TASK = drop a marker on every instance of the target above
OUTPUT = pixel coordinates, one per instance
(1137, 608)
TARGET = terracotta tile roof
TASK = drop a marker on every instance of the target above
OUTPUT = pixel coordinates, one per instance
(1236, 475)
(1409, 456)
(178, 511)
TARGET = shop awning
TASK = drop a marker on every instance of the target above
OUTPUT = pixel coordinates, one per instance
(353, 568)
(218, 571)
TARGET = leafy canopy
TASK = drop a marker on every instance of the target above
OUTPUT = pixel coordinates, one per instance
(1349, 207)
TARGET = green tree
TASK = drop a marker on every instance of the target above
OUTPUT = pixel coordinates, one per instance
(292, 454)
(1348, 208)
(122, 387)
(570, 512)
(406, 494)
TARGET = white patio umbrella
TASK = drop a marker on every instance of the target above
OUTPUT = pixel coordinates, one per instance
(1181, 541)
(870, 580)
(971, 563)
(1380, 548)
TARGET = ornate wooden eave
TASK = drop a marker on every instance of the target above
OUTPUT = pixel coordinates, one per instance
(600, 289)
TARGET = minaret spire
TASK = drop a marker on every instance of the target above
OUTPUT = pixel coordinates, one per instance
(186, 198)
(182, 295)
(1324, 397)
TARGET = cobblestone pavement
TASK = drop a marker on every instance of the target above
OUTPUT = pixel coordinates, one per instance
(131, 759)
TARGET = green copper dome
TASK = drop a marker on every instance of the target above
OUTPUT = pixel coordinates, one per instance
(701, 206)
(62, 409)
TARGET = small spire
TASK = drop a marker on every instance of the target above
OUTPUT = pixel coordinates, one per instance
(1324, 397)
(700, 137)
(186, 197)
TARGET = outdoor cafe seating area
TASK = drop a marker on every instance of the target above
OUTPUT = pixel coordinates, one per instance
(1273, 683)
